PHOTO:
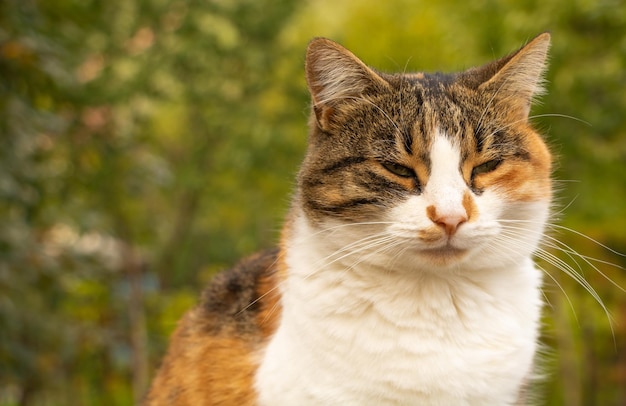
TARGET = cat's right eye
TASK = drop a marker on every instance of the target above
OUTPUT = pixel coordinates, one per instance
(399, 170)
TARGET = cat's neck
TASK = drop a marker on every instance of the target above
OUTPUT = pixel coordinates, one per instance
(341, 312)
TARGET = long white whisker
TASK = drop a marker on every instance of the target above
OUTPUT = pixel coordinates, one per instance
(571, 230)
(360, 245)
(393, 243)
(569, 301)
(347, 225)
(501, 245)
(562, 210)
(511, 124)
(555, 243)
(561, 116)
(561, 246)
(568, 270)
(557, 226)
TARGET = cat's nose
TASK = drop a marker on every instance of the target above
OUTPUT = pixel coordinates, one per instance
(449, 219)
(450, 223)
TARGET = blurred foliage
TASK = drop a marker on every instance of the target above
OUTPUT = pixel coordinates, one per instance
(147, 144)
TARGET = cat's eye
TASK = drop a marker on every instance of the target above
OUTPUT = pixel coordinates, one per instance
(486, 167)
(399, 170)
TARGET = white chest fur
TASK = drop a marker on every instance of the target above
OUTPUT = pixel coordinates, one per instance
(355, 334)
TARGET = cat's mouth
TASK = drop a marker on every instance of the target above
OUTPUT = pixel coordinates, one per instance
(445, 253)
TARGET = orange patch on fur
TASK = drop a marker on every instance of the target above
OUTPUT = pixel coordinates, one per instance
(470, 206)
(526, 180)
(213, 361)
(431, 234)
(431, 212)
(421, 170)
(434, 233)
(523, 180)
(203, 369)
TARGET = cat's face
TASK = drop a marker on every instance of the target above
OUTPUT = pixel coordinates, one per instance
(426, 171)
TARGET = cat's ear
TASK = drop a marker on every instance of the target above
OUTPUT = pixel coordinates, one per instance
(335, 76)
(518, 78)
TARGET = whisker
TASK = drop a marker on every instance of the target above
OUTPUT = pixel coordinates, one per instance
(563, 209)
(406, 65)
(561, 246)
(348, 247)
(578, 233)
(501, 246)
(563, 266)
(488, 106)
(361, 245)
(320, 264)
(393, 243)
(561, 116)
(348, 225)
(557, 244)
(560, 227)
(513, 123)
(569, 301)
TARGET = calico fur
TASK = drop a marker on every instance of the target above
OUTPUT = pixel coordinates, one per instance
(404, 274)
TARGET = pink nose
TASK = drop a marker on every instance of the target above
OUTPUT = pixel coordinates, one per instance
(450, 223)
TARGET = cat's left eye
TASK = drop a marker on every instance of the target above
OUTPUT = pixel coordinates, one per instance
(399, 170)
(486, 167)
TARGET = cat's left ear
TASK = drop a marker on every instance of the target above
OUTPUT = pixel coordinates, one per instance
(516, 79)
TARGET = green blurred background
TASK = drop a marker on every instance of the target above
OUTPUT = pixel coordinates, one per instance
(147, 144)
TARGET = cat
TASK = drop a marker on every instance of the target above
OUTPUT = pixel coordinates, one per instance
(404, 273)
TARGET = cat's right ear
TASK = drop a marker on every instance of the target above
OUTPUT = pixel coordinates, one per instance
(335, 76)
(517, 78)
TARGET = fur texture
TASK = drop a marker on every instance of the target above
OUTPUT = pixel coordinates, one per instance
(404, 274)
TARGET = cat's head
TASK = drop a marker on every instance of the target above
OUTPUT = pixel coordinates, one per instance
(430, 169)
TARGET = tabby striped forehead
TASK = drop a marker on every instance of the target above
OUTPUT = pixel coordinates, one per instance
(425, 105)
(404, 118)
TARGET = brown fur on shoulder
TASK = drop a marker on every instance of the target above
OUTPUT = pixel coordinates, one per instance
(212, 358)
